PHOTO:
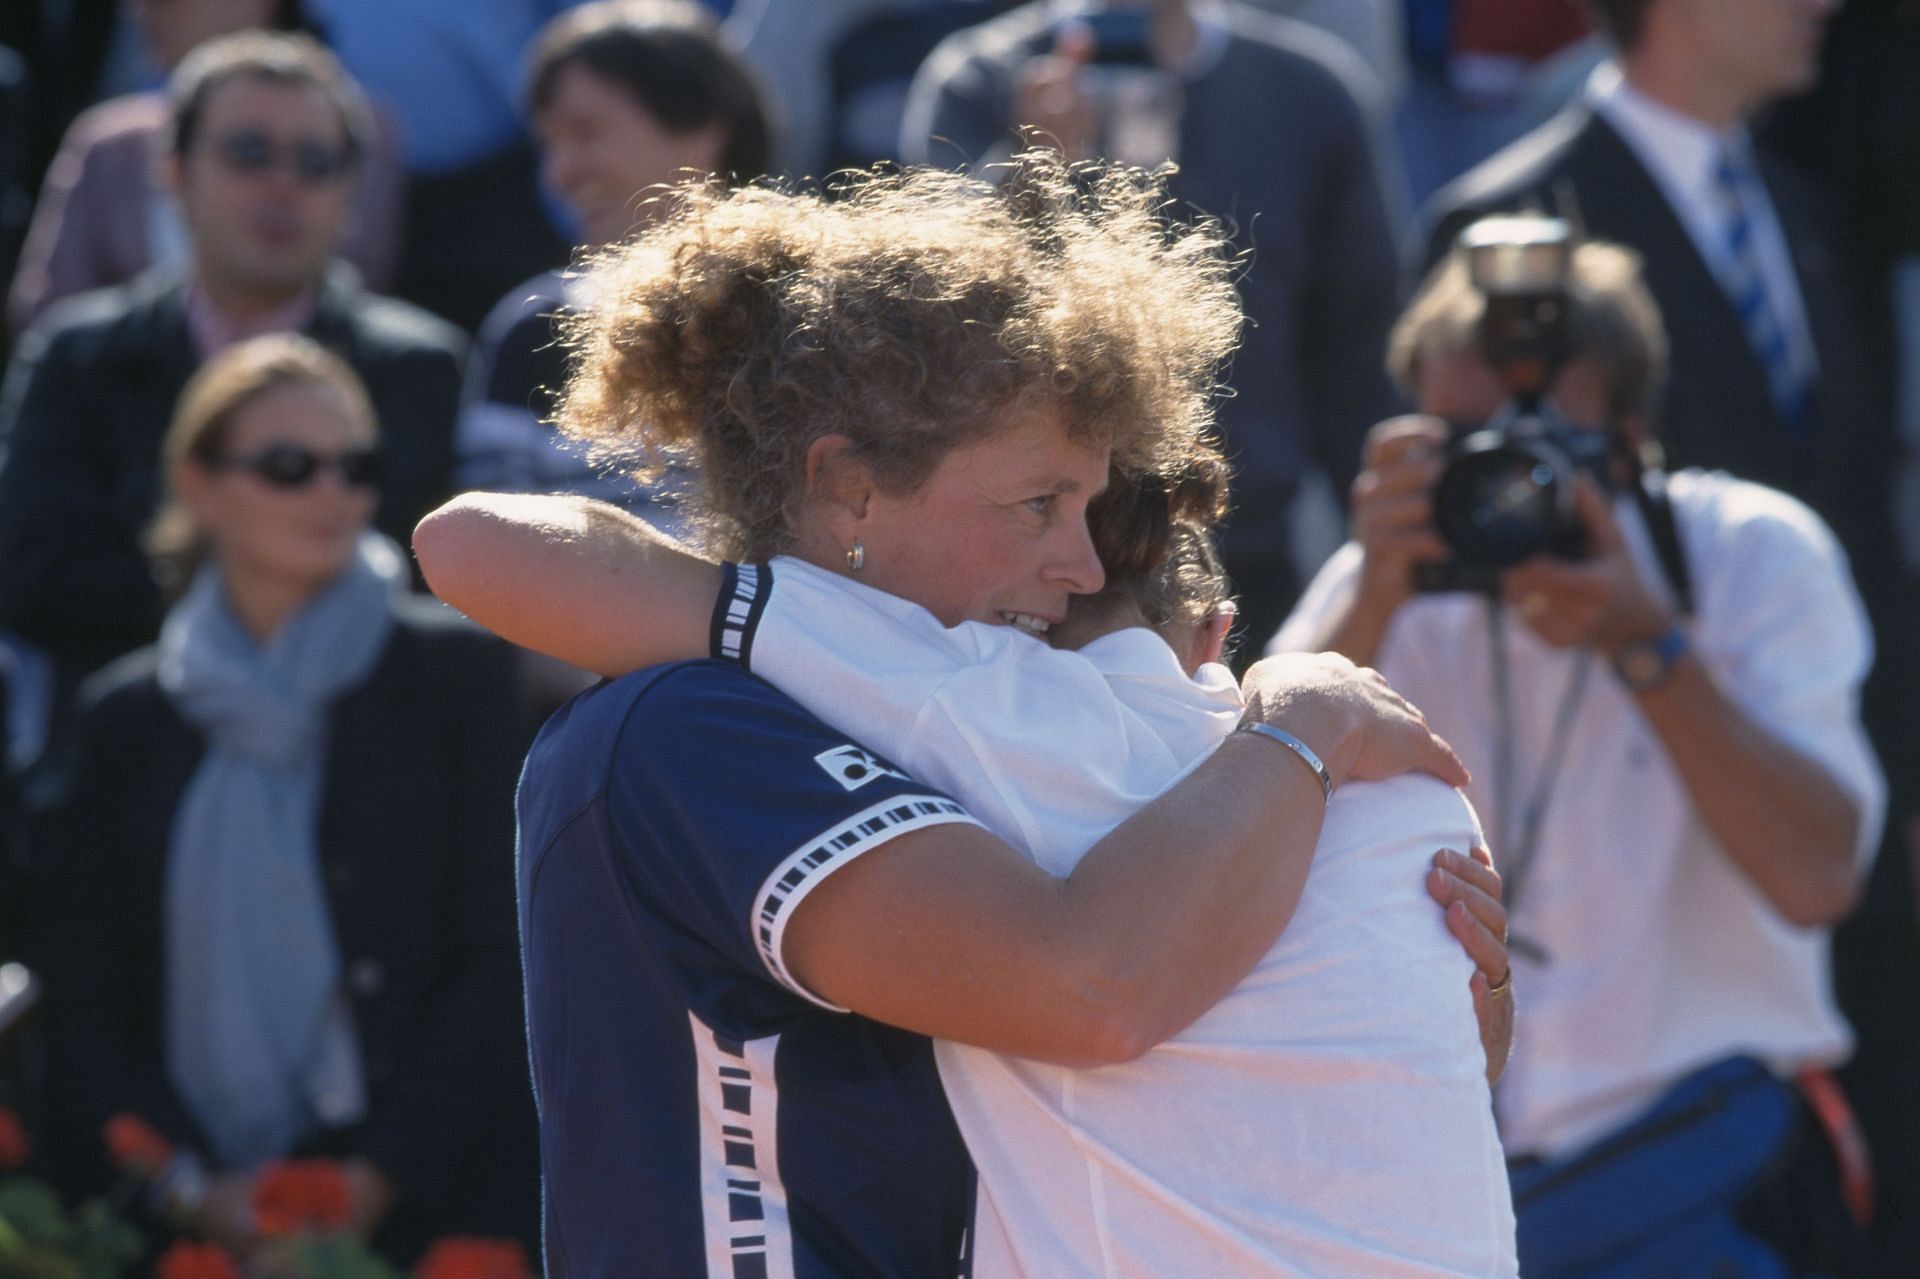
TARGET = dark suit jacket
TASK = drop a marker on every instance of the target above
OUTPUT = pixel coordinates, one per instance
(85, 406)
(1717, 411)
(416, 847)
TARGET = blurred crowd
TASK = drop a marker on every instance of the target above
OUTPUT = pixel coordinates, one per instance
(283, 275)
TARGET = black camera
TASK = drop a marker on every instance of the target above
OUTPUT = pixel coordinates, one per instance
(1506, 492)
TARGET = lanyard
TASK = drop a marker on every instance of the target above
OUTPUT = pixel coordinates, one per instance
(1517, 830)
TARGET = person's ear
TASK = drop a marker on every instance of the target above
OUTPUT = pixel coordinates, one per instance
(840, 486)
(1213, 635)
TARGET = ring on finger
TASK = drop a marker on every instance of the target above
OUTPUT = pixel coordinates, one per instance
(1502, 987)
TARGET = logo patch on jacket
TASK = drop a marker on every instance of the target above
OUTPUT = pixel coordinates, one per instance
(853, 767)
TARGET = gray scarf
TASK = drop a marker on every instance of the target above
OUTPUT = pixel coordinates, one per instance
(255, 1018)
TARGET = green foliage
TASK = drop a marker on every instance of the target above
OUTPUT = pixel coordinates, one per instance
(39, 1240)
(324, 1257)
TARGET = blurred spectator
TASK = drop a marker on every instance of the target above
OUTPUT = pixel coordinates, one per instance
(450, 72)
(104, 216)
(1496, 43)
(625, 97)
(63, 43)
(794, 44)
(1665, 741)
(1185, 80)
(1481, 74)
(870, 72)
(1784, 374)
(287, 924)
(16, 192)
(265, 144)
(1374, 29)
(1857, 135)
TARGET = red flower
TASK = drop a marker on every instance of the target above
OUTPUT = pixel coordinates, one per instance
(195, 1261)
(465, 1258)
(14, 1146)
(136, 1146)
(301, 1194)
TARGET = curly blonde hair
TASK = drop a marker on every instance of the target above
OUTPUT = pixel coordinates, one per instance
(909, 313)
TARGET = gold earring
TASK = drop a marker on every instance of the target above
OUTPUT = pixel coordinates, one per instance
(856, 556)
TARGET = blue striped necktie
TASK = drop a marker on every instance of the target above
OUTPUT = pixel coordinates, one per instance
(1762, 313)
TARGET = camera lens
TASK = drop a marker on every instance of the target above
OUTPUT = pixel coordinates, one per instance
(1499, 504)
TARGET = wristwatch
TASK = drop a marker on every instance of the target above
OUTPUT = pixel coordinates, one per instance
(1645, 664)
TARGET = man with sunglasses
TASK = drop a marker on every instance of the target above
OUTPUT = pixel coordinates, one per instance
(266, 144)
(103, 215)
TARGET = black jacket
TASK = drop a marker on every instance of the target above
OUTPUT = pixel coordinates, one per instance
(416, 847)
(86, 403)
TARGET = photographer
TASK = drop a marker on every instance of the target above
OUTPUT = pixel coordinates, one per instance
(1662, 720)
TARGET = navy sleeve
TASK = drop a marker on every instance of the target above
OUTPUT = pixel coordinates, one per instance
(732, 803)
(744, 591)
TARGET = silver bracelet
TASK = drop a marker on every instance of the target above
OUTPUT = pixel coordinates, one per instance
(1298, 747)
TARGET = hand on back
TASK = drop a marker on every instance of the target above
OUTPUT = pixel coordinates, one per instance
(1358, 726)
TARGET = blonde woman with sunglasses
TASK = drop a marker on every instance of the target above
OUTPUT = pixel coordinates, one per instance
(287, 919)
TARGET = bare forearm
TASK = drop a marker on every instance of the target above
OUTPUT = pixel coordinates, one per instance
(951, 933)
(575, 579)
(1781, 817)
(1182, 901)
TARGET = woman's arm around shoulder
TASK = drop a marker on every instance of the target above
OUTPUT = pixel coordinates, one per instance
(951, 932)
(573, 578)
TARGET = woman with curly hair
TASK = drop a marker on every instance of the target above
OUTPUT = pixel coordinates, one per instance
(919, 389)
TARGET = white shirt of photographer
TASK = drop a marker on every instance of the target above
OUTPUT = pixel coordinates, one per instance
(1662, 957)
(1329, 1117)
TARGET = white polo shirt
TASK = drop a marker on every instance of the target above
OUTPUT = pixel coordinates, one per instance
(1661, 957)
(1329, 1117)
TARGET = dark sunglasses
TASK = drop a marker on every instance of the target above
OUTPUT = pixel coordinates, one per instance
(250, 153)
(288, 466)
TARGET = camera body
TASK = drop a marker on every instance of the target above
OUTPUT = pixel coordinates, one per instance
(1505, 494)
(1506, 490)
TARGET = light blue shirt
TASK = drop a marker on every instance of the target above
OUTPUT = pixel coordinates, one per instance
(450, 70)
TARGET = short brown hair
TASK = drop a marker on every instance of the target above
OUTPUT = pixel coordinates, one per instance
(202, 425)
(277, 57)
(667, 55)
(1614, 320)
(1153, 534)
(910, 314)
